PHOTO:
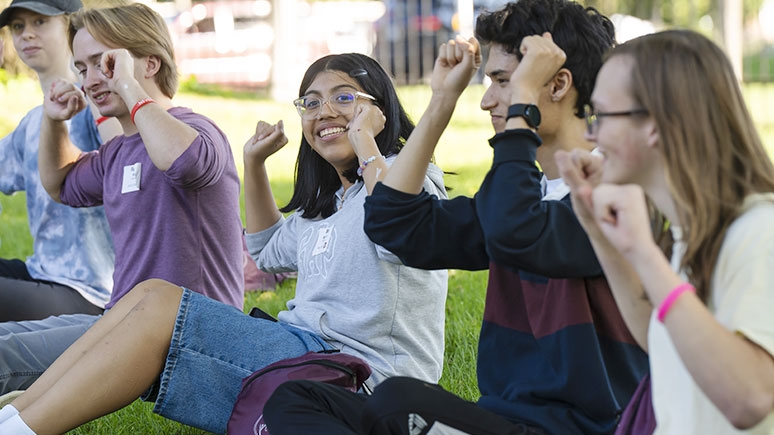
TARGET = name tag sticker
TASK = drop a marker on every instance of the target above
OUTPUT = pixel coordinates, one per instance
(323, 240)
(132, 175)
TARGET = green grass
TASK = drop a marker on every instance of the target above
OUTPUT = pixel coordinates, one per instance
(463, 150)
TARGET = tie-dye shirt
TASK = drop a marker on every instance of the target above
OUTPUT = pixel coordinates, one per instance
(71, 246)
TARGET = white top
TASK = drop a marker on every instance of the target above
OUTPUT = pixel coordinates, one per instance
(742, 299)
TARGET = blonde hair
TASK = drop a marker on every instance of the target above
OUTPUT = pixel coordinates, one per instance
(710, 147)
(137, 28)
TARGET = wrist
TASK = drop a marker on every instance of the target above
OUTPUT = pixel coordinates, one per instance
(139, 105)
(129, 90)
(254, 160)
(368, 161)
(524, 95)
(668, 302)
(48, 118)
(647, 255)
(444, 98)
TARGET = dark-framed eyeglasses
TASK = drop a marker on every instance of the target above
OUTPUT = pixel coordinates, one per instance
(593, 117)
(342, 102)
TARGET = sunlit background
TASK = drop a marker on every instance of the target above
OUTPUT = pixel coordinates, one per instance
(266, 44)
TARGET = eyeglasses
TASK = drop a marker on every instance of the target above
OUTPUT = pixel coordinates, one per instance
(593, 117)
(342, 103)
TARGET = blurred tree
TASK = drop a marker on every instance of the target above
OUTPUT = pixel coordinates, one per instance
(681, 13)
(722, 20)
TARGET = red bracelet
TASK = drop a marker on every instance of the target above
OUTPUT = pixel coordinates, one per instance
(670, 299)
(139, 104)
(100, 120)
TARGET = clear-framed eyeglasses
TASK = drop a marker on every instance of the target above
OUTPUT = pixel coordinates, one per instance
(342, 102)
(593, 117)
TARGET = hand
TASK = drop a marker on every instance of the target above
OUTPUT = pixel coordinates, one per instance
(117, 66)
(457, 61)
(366, 123)
(581, 171)
(64, 100)
(267, 140)
(541, 60)
(622, 214)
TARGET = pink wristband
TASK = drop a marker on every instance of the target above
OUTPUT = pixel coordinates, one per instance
(668, 301)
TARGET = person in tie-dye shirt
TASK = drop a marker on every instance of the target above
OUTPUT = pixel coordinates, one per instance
(71, 268)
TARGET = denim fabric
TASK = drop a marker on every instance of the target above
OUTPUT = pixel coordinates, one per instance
(214, 346)
(28, 348)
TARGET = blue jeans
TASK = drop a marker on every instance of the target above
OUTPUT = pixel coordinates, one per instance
(214, 346)
(28, 348)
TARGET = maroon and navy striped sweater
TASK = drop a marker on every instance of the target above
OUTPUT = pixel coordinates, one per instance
(553, 350)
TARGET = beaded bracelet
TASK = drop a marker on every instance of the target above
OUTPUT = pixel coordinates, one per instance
(100, 120)
(670, 299)
(365, 163)
(139, 104)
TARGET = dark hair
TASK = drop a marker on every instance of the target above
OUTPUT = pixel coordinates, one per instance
(316, 180)
(584, 34)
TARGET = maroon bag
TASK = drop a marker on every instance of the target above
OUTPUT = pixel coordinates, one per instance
(331, 367)
(638, 417)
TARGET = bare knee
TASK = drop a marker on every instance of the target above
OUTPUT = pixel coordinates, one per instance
(163, 294)
(154, 285)
(151, 287)
(157, 309)
(158, 294)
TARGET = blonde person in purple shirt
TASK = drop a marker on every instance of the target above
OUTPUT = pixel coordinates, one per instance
(168, 184)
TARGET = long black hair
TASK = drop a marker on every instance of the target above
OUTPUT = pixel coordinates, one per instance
(316, 180)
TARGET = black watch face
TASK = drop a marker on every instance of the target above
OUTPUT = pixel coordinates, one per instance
(533, 115)
(529, 112)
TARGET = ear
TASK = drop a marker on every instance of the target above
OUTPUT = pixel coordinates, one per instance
(152, 66)
(560, 85)
(653, 138)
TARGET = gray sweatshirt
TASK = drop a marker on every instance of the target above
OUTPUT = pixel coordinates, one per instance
(357, 295)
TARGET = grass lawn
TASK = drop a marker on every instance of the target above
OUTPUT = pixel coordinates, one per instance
(463, 150)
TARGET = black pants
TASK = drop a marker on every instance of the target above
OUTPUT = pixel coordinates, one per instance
(24, 298)
(398, 406)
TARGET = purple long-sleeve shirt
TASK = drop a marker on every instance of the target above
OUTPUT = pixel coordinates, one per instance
(181, 225)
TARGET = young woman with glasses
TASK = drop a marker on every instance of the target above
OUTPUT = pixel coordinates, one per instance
(678, 133)
(190, 353)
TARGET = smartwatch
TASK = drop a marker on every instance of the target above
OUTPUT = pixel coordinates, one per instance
(529, 112)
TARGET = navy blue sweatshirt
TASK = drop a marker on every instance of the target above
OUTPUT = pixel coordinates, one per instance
(553, 350)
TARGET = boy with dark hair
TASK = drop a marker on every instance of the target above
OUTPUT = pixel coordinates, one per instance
(555, 355)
